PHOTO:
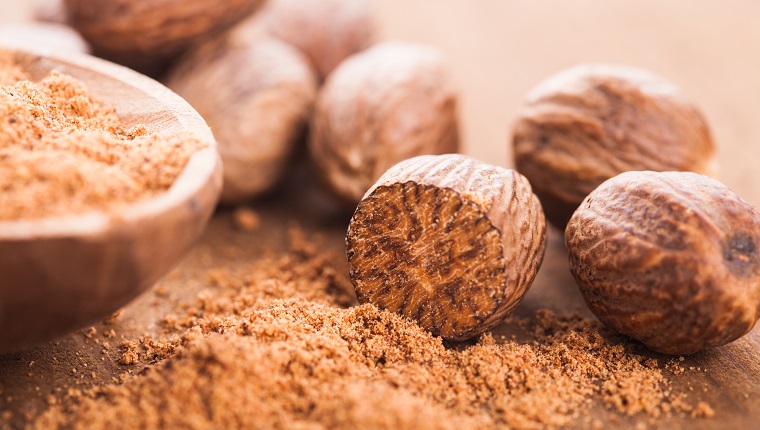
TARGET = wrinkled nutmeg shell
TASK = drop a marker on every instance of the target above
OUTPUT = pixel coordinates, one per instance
(592, 122)
(327, 31)
(147, 34)
(670, 259)
(448, 241)
(389, 103)
(257, 95)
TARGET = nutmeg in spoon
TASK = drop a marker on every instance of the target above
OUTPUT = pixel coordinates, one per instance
(63, 271)
(447, 240)
(670, 259)
(586, 124)
(389, 103)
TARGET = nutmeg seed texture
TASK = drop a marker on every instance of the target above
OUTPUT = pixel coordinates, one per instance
(668, 258)
(446, 240)
(589, 123)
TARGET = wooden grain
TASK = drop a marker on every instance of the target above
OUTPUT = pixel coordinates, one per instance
(58, 274)
(498, 50)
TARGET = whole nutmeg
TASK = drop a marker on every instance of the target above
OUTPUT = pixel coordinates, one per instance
(670, 259)
(147, 34)
(257, 95)
(592, 122)
(386, 104)
(327, 31)
(446, 240)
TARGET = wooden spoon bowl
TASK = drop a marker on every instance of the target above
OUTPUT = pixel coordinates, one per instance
(60, 274)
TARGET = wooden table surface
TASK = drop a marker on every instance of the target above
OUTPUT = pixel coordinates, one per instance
(498, 49)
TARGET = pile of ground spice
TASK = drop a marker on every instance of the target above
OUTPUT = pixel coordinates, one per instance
(273, 345)
(64, 152)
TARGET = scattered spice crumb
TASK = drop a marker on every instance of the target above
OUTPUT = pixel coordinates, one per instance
(130, 354)
(246, 219)
(703, 410)
(281, 344)
(113, 317)
(160, 291)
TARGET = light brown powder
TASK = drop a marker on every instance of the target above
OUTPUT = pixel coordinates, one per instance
(10, 72)
(63, 152)
(273, 347)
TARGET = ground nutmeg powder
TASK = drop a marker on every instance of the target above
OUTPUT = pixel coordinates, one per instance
(64, 152)
(272, 344)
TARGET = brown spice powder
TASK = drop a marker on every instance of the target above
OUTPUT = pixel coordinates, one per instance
(63, 152)
(272, 347)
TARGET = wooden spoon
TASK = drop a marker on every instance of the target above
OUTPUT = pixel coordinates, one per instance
(59, 274)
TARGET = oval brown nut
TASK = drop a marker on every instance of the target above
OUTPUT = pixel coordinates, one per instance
(447, 240)
(591, 122)
(670, 259)
(257, 94)
(146, 34)
(389, 103)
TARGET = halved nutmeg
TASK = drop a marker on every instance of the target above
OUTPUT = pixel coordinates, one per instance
(447, 240)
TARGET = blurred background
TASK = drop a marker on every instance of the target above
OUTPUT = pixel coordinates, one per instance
(499, 49)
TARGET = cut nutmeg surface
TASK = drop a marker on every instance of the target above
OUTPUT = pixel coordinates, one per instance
(668, 258)
(589, 123)
(448, 241)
